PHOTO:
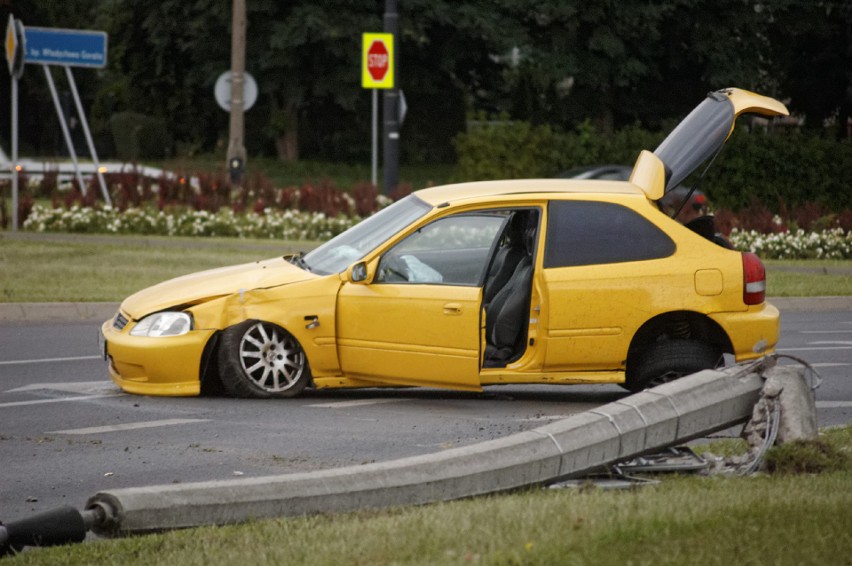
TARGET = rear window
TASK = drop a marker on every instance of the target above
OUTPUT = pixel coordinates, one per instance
(590, 233)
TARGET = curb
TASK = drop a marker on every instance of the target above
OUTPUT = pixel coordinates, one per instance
(812, 304)
(88, 312)
(57, 312)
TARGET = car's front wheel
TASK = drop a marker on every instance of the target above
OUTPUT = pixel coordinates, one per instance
(667, 360)
(260, 359)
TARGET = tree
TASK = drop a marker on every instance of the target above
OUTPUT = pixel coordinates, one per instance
(308, 54)
(812, 49)
(618, 63)
(557, 62)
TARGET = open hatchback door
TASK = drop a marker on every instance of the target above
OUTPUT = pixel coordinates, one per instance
(697, 138)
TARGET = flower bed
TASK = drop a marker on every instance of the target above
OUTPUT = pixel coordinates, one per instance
(833, 243)
(286, 225)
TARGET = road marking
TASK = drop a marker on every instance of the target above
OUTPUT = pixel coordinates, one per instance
(814, 349)
(60, 400)
(833, 404)
(128, 426)
(822, 365)
(825, 332)
(357, 403)
(49, 360)
(834, 342)
(94, 387)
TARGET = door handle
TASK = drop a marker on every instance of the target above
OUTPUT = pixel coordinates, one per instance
(453, 309)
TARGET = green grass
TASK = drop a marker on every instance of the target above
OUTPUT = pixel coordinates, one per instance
(808, 278)
(69, 267)
(771, 519)
(783, 284)
(95, 268)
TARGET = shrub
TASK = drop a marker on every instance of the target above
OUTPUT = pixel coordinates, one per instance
(504, 149)
(782, 170)
(138, 136)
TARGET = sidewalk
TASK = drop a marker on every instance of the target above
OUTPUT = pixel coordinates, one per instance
(98, 312)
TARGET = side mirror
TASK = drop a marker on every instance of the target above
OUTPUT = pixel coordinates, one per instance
(358, 273)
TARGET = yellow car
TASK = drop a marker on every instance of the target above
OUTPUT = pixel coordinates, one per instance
(474, 284)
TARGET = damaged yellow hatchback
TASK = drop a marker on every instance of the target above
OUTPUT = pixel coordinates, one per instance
(461, 286)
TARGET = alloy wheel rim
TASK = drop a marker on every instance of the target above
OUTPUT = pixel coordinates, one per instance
(271, 358)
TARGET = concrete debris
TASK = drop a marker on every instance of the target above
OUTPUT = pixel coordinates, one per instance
(798, 404)
(786, 411)
(670, 414)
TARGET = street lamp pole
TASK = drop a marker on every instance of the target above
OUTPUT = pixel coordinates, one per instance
(390, 109)
(236, 148)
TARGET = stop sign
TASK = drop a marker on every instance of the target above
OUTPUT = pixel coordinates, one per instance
(378, 60)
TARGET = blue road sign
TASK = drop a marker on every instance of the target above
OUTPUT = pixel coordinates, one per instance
(74, 48)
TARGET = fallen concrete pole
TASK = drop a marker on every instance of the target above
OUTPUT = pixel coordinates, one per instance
(688, 408)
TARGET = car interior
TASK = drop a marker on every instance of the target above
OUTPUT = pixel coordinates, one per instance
(506, 294)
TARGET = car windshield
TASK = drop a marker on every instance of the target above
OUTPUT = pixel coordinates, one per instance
(696, 138)
(343, 250)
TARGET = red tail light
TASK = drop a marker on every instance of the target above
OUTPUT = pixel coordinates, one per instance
(754, 279)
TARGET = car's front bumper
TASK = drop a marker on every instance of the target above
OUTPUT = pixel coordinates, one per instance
(155, 366)
(754, 332)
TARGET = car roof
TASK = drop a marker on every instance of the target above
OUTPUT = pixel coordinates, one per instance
(481, 189)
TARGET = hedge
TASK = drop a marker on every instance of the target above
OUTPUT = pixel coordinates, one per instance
(779, 169)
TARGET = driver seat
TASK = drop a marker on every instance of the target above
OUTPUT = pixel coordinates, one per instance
(507, 315)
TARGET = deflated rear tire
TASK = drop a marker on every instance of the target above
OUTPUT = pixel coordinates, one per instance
(262, 360)
(667, 360)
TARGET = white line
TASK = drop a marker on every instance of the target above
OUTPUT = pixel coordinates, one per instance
(819, 365)
(92, 387)
(357, 403)
(825, 332)
(48, 360)
(127, 426)
(784, 350)
(827, 342)
(833, 404)
(60, 400)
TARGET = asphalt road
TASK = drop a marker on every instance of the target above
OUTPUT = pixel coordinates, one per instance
(66, 431)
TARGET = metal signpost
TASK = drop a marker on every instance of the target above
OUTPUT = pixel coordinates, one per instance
(223, 86)
(67, 47)
(14, 56)
(223, 92)
(53, 46)
(377, 72)
(236, 125)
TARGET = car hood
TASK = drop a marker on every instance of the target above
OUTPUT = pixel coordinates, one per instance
(697, 138)
(205, 285)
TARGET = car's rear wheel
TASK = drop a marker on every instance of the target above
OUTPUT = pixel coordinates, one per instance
(667, 360)
(260, 359)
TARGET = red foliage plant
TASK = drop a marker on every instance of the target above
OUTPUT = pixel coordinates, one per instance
(844, 220)
(364, 195)
(808, 215)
